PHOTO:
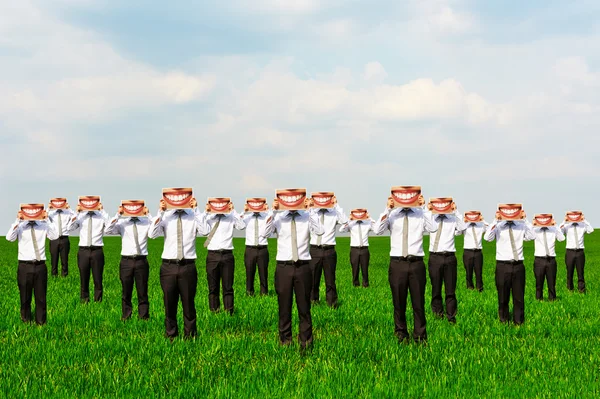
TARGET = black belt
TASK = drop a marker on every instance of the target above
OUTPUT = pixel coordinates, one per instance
(575, 250)
(409, 258)
(221, 251)
(292, 263)
(133, 257)
(361, 247)
(256, 246)
(180, 262)
(323, 246)
(33, 262)
(546, 257)
(474, 250)
(510, 262)
(446, 253)
(92, 248)
(63, 236)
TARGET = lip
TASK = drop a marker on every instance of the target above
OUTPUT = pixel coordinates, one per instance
(89, 203)
(32, 211)
(291, 198)
(406, 195)
(473, 216)
(134, 208)
(543, 221)
(177, 197)
(359, 215)
(256, 205)
(218, 206)
(58, 203)
(574, 217)
(322, 201)
(441, 206)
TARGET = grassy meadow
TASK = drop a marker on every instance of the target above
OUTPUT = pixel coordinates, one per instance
(85, 350)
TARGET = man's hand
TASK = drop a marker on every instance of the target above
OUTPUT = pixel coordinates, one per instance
(20, 215)
(246, 209)
(120, 210)
(44, 215)
(50, 205)
(193, 203)
(308, 203)
(390, 202)
(275, 204)
(162, 205)
(78, 208)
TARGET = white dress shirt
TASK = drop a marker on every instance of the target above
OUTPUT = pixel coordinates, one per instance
(21, 230)
(419, 223)
(365, 227)
(307, 223)
(65, 215)
(81, 221)
(331, 218)
(499, 231)
(123, 226)
(453, 226)
(250, 219)
(553, 234)
(223, 237)
(165, 224)
(569, 231)
(474, 241)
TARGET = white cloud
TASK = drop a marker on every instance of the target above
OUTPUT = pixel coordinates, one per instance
(374, 72)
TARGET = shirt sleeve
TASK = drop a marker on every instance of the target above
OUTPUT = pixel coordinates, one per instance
(13, 231)
(156, 226)
(382, 223)
(52, 232)
(341, 216)
(238, 222)
(314, 224)
(202, 225)
(75, 221)
(112, 227)
(429, 224)
(269, 227)
(461, 226)
(529, 233)
(492, 231)
(588, 227)
(559, 234)
(344, 228)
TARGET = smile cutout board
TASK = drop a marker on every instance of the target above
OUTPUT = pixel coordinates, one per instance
(218, 205)
(291, 199)
(177, 197)
(89, 202)
(32, 211)
(257, 204)
(322, 199)
(473, 217)
(359, 214)
(134, 208)
(407, 196)
(441, 205)
(58, 203)
(543, 220)
(574, 216)
(510, 212)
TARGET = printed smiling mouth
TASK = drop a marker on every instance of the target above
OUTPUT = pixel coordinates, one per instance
(472, 216)
(133, 208)
(405, 196)
(177, 198)
(543, 220)
(358, 215)
(58, 204)
(509, 212)
(32, 212)
(88, 203)
(322, 200)
(219, 206)
(574, 216)
(256, 205)
(441, 206)
(291, 200)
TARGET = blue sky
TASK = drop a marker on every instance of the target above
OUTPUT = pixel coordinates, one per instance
(486, 101)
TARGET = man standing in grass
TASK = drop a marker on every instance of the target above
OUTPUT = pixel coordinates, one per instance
(544, 264)
(574, 227)
(407, 269)
(359, 226)
(59, 213)
(510, 272)
(32, 274)
(292, 272)
(475, 227)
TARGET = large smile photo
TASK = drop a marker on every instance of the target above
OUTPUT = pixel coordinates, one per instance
(133, 208)
(177, 198)
(257, 204)
(218, 204)
(510, 211)
(473, 217)
(406, 196)
(291, 198)
(89, 202)
(574, 216)
(441, 205)
(359, 214)
(543, 219)
(58, 203)
(323, 199)
(32, 211)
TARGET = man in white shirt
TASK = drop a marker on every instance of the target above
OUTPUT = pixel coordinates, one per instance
(544, 263)
(475, 227)
(256, 252)
(90, 256)
(407, 269)
(178, 274)
(59, 214)
(442, 263)
(293, 273)
(220, 263)
(574, 227)
(359, 228)
(134, 260)
(322, 251)
(32, 274)
(510, 272)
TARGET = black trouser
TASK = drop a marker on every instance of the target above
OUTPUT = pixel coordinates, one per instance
(220, 270)
(254, 256)
(442, 271)
(62, 247)
(544, 268)
(324, 260)
(473, 261)
(575, 258)
(408, 275)
(290, 278)
(510, 276)
(179, 279)
(32, 277)
(134, 269)
(359, 259)
(91, 258)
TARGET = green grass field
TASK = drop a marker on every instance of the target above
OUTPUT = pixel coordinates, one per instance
(87, 351)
